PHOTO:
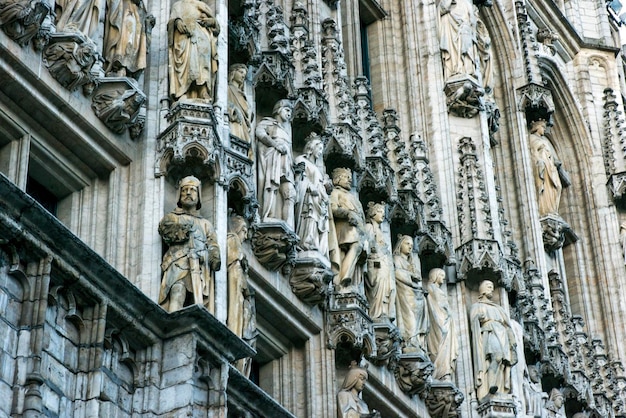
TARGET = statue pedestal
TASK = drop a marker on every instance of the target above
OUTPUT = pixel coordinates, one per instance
(556, 233)
(495, 407)
(387, 337)
(444, 399)
(347, 321)
(71, 58)
(190, 144)
(414, 373)
(464, 96)
(274, 245)
(310, 277)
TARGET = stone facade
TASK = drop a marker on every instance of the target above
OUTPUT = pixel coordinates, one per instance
(479, 140)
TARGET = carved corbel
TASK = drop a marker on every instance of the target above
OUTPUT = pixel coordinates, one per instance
(414, 373)
(388, 341)
(24, 20)
(190, 142)
(556, 233)
(72, 59)
(464, 97)
(310, 278)
(497, 408)
(443, 400)
(274, 245)
(117, 102)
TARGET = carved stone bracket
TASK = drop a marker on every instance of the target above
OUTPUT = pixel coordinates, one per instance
(537, 102)
(310, 278)
(347, 321)
(414, 373)
(190, 144)
(556, 233)
(117, 102)
(388, 341)
(343, 147)
(23, 20)
(617, 185)
(72, 59)
(480, 257)
(497, 408)
(274, 245)
(443, 400)
(464, 96)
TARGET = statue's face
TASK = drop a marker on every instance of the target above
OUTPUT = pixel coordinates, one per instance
(379, 214)
(318, 149)
(243, 233)
(285, 113)
(239, 75)
(189, 196)
(344, 181)
(487, 289)
(360, 383)
(558, 402)
(406, 247)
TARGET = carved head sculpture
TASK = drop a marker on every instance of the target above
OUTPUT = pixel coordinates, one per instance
(557, 398)
(282, 104)
(341, 177)
(237, 71)
(404, 245)
(314, 146)
(538, 126)
(189, 181)
(355, 378)
(376, 211)
(485, 290)
(237, 225)
(436, 276)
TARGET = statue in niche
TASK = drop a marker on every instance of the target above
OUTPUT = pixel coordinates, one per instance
(534, 397)
(457, 34)
(193, 253)
(78, 16)
(349, 402)
(312, 199)
(483, 46)
(547, 165)
(411, 309)
(442, 339)
(275, 165)
(495, 348)
(126, 37)
(380, 284)
(349, 225)
(554, 405)
(22, 19)
(239, 112)
(192, 38)
(241, 310)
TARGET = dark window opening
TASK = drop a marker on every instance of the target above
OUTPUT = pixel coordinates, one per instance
(45, 197)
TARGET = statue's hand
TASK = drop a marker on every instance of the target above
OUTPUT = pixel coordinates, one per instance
(182, 28)
(281, 148)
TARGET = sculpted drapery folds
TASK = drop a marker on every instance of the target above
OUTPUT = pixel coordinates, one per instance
(442, 338)
(547, 179)
(312, 201)
(349, 223)
(493, 342)
(127, 28)
(275, 177)
(380, 284)
(22, 19)
(349, 402)
(78, 16)
(239, 112)
(192, 38)
(241, 306)
(457, 37)
(411, 309)
(193, 253)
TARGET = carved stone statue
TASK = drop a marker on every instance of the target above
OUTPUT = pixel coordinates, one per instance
(78, 16)
(70, 62)
(192, 38)
(457, 34)
(22, 19)
(380, 285)
(241, 310)
(349, 223)
(193, 253)
(554, 405)
(483, 46)
(442, 338)
(126, 37)
(349, 402)
(411, 309)
(534, 397)
(547, 180)
(239, 112)
(493, 343)
(277, 193)
(312, 199)
(118, 108)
